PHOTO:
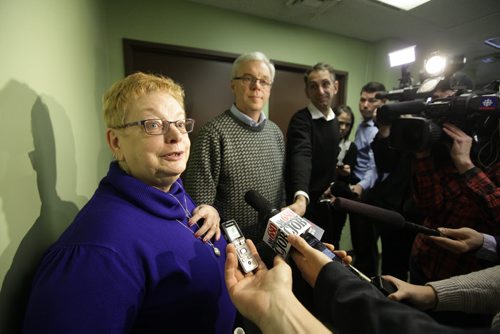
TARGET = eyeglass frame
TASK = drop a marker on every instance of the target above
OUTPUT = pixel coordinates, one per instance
(142, 123)
(251, 80)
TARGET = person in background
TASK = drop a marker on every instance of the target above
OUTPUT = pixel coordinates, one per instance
(312, 149)
(346, 160)
(136, 259)
(241, 150)
(391, 191)
(363, 234)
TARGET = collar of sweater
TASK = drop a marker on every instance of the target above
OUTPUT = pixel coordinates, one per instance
(169, 205)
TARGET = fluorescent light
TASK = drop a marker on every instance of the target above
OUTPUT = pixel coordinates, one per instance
(493, 42)
(403, 56)
(404, 4)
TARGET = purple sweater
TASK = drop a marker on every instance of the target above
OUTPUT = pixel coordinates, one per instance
(126, 265)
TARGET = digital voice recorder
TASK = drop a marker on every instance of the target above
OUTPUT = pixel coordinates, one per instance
(233, 234)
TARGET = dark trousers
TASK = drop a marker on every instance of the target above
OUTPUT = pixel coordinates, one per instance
(326, 217)
(364, 243)
(396, 249)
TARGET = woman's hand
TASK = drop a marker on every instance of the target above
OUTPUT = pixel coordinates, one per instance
(210, 226)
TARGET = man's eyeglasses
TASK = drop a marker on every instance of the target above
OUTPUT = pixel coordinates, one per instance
(161, 126)
(248, 80)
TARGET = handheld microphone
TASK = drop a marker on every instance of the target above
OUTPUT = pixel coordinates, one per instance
(279, 223)
(260, 204)
(282, 223)
(388, 217)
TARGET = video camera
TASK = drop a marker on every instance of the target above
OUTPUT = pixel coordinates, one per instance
(416, 125)
(416, 120)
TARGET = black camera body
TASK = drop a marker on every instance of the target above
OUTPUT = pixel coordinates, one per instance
(417, 125)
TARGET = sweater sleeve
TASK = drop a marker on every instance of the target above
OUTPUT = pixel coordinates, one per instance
(204, 165)
(477, 292)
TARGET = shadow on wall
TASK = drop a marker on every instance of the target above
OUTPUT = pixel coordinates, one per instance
(55, 213)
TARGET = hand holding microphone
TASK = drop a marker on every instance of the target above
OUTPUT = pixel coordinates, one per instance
(309, 261)
(283, 223)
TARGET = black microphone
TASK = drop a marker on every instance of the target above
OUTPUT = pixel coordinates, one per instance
(388, 217)
(260, 204)
(282, 223)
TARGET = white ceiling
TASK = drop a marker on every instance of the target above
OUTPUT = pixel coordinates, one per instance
(458, 27)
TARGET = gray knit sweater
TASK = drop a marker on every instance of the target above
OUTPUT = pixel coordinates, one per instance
(477, 292)
(228, 159)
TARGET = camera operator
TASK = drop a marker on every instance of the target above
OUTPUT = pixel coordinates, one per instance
(454, 193)
(392, 191)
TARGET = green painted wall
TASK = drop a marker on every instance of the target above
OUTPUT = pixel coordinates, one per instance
(192, 25)
(57, 58)
(53, 68)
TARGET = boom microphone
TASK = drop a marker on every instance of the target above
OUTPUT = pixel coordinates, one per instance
(388, 217)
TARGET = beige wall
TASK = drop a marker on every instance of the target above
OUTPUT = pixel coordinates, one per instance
(56, 59)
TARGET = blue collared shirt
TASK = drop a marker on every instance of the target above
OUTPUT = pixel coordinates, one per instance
(365, 168)
(245, 119)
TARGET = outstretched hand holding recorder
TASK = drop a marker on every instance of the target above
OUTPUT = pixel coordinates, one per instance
(233, 235)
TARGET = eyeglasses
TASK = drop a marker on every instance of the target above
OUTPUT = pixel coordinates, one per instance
(248, 80)
(161, 126)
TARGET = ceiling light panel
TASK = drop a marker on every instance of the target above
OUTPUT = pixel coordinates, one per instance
(404, 4)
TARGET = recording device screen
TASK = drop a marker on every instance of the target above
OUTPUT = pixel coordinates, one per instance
(233, 233)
